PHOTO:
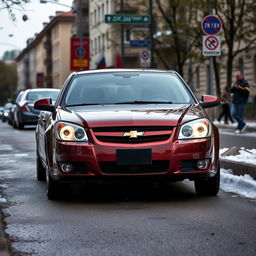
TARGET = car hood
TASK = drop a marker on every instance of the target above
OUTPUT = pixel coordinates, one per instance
(135, 115)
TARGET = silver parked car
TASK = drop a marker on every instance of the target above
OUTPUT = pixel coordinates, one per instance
(23, 112)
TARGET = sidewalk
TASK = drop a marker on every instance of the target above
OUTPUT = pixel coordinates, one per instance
(251, 125)
(238, 168)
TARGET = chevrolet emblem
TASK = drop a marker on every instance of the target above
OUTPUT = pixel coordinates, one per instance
(133, 134)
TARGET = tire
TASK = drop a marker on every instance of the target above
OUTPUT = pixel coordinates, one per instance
(40, 170)
(20, 125)
(208, 187)
(53, 188)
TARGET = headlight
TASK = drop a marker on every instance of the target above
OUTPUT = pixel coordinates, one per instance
(70, 132)
(197, 129)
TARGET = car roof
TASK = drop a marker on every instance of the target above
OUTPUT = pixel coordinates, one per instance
(41, 89)
(111, 70)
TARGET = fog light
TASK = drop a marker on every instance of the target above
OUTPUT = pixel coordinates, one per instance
(202, 164)
(66, 167)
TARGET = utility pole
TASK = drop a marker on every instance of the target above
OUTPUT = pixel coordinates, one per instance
(80, 31)
(122, 36)
(151, 31)
(211, 67)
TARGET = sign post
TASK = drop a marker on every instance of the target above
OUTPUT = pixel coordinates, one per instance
(145, 58)
(211, 26)
(79, 56)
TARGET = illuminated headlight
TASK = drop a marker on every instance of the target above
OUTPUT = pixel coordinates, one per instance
(70, 132)
(5, 114)
(197, 129)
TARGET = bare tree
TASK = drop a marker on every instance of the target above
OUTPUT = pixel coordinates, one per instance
(180, 20)
(11, 5)
(238, 19)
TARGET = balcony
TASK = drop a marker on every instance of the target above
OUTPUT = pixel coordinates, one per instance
(130, 6)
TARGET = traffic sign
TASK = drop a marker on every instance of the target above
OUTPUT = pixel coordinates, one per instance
(127, 19)
(145, 57)
(140, 43)
(211, 25)
(211, 46)
(80, 52)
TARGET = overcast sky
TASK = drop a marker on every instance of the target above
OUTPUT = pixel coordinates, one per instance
(13, 35)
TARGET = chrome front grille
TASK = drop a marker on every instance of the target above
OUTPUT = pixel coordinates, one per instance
(120, 134)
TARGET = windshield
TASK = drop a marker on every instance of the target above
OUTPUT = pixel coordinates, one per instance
(36, 95)
(127, 87)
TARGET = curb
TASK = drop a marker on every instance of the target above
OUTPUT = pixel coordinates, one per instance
(3, 241)
(239, 168)
(250, 128)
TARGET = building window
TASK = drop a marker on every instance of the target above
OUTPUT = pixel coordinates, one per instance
(99, 42)
(107, 38)
(95, 18)
(241, 64)
(107, 6)
(95, 46)
(127, 35)
(91, 47)
(102, 11)
(254, 67)
(103, 42)
(91, 19)
(99, 18)
(198, 78)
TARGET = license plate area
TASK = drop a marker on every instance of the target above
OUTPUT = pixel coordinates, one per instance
(134, 156)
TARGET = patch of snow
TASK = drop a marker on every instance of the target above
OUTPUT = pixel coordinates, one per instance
(243, 185)
(245, 155)
(3, 186)
(222, 150)
(6, 147)
(2, 200)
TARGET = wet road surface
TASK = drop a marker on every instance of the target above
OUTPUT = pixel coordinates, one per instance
(116, 220)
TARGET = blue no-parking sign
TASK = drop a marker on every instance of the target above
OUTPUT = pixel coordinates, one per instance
(211, 25)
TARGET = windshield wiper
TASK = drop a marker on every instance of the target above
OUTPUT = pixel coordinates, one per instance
(82, 104)
(144, 102)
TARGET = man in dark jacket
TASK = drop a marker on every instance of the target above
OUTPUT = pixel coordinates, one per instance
(241, 91)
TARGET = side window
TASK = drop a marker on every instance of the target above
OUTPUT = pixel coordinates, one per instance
(19, 96)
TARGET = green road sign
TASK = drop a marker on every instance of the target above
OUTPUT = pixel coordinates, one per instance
(127, 19)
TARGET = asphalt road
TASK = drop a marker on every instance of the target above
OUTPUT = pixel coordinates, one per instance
(116, 220)
(229, 139)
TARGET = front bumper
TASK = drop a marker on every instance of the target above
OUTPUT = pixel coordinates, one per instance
(170, 160)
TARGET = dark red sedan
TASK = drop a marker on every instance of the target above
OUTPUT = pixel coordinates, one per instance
(125, 124)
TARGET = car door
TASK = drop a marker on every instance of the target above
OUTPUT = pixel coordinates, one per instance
(44, 119)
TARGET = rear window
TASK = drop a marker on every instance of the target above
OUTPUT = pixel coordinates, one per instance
(122, 87)
(36, 95)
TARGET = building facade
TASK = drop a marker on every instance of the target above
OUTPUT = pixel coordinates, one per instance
(105, 38)
(45, 62)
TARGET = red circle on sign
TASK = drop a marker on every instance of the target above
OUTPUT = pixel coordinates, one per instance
(211, 43)
(212, 27)
(145, 55)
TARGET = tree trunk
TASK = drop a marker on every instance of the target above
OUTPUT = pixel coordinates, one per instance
(229, 69)
(217, 77)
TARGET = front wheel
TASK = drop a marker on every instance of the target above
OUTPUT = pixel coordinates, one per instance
(52, 188)
(40, 171)
(208, 187)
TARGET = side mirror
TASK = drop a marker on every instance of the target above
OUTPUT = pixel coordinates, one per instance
(209, 101)
(44, 104)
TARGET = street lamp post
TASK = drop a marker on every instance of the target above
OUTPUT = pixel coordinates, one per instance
(151, 31)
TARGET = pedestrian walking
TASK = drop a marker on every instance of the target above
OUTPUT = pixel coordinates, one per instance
(225, 104)
(241, 91)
